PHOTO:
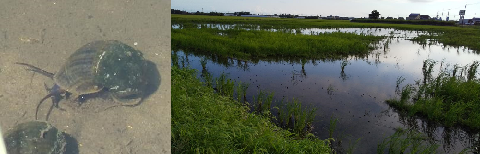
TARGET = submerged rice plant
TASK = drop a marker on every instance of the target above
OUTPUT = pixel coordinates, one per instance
(332, 126)
(263, 102)
(292, 116)
(242, 91)
(224, 86)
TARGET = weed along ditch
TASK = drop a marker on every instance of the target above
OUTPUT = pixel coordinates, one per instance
(354, 88)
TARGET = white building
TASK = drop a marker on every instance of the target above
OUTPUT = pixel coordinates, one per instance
(468, 21)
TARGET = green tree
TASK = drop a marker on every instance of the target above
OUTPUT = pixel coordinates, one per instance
(375, 14)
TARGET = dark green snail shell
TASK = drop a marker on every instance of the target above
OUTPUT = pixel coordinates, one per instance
(35, 137)
(121, 69)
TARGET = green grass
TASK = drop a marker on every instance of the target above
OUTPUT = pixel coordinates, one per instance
(204, 121)
(448, 35)
(292, 117)
(257, 44)
(451, 98)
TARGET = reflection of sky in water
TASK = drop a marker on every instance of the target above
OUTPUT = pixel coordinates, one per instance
(358, 94)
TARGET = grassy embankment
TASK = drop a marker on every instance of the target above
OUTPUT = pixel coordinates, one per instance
(452, 98)
(448, 35)
(246, 44)
(205, 121)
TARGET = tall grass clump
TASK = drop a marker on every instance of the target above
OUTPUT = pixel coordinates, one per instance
(427, 69)
(263, 102)
(293, 117)
(242, 91)
(204, 121)
(472, 71)
(332, 126)
(450, 98)
(406, 141)
(224, 86)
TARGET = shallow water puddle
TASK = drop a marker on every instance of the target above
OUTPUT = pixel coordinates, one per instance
(355, 96)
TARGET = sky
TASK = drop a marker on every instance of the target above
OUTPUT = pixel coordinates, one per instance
(347, 8)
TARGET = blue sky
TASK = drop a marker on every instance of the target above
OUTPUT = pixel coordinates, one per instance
(350, 8)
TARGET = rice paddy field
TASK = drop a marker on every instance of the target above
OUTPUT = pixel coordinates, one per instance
(340, 86)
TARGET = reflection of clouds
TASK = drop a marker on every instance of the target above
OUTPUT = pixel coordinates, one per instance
(410, 56)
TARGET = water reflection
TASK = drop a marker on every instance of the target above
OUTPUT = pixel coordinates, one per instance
(448, 137)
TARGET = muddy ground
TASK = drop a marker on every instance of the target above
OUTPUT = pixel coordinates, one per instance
(45, 32)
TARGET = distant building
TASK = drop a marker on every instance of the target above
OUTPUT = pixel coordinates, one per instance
(425, 17)
(286, 16)
(476, 21)
(469, 21)
(333, 17)
(242, 13)
(229, 14)
(312, 17)
(414, 16)
(264, 16)
(178, 12)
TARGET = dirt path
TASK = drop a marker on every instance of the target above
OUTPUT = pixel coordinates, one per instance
(45, 32)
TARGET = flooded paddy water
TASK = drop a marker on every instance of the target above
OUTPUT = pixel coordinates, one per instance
(356, 95)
